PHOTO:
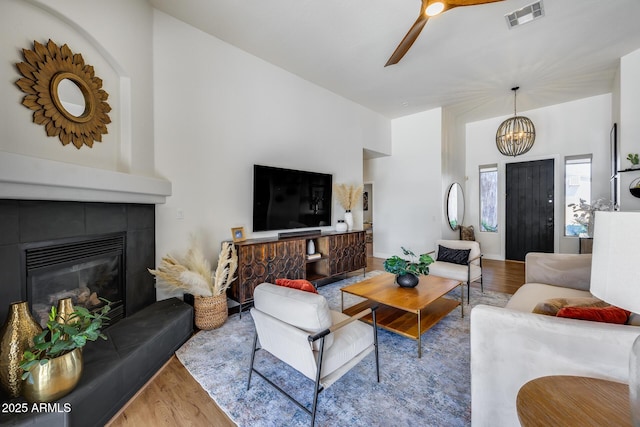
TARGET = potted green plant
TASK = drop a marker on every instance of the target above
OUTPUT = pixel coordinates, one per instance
(585, 212)
(407, 271)
(634, 159)
(53, 366)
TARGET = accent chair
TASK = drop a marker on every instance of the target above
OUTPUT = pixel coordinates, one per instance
(298, 328)
(451, 260)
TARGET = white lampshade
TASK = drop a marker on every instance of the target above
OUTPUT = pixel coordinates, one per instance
(615, 265)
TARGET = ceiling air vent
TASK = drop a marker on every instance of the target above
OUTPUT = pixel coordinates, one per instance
(526, 14)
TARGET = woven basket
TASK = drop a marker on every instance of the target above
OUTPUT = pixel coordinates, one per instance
(210, 312)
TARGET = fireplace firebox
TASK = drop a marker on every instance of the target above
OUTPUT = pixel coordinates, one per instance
(88, 270)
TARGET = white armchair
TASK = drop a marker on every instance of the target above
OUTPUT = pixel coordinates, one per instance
(298, 328)
(469, 270)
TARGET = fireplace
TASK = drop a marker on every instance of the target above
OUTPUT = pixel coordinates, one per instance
(123, 236)
(87, 270)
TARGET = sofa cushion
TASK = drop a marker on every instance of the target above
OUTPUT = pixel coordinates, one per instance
(530, 294)
(349, 341)
(454, 271)
(610, 314)
(303, 285)
(303, 310)
(634, 319)
(551, 306)
(467, 233)
(461, 244)
(566, 270)
(455, 256)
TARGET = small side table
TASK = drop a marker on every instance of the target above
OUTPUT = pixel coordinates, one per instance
(586, 245)
(561, 400)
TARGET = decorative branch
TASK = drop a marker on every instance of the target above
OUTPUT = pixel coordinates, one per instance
(227, 265)
(348, 195)
(193, 274)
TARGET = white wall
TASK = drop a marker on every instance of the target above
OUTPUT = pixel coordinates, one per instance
(629, 126)
(219, 111)
(453, 165)
(573, 128)
(115, 38)
(408, 186)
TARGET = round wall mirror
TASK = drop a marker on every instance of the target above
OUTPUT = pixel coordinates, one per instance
(455, 206)
(71, 97)
(64, 94)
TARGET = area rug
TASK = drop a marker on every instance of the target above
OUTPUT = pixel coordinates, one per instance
(432, 391)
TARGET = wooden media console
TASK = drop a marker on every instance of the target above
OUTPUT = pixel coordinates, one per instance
(267, 259)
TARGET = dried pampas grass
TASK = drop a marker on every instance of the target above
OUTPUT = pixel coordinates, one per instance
(193, 273)
(348, 195)
(227, 266)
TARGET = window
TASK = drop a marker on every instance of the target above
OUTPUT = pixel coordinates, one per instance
(577, 187)
(489, 198)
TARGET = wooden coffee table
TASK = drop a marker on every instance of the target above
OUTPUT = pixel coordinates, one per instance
(405, 311)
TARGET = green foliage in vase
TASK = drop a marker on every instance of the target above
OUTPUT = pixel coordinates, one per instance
(416, 265)
(59, 338)
(584, 212)
(490, 228)
(633, 158)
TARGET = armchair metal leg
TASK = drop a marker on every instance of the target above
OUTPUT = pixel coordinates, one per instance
(468, 283)
(375, 343)
(481, 276)
(317, 387)
(253, 356)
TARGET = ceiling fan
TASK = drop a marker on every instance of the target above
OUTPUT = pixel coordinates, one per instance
(428, 9)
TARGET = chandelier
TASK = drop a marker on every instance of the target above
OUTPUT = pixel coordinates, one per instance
(516, 135)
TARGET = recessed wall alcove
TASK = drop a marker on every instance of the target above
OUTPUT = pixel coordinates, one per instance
(24, 222)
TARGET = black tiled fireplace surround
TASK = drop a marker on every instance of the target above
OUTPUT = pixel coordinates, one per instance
(27, 221)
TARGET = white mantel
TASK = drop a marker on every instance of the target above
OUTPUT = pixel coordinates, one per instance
(30, 178)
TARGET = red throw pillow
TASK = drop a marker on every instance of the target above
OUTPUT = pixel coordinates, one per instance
(609, 314)
(303, 285)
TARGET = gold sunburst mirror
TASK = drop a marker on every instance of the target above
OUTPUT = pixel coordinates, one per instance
(64, 94)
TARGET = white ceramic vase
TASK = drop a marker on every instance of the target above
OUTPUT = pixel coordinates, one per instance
(311, 247)
(341, 226)
(348, 218)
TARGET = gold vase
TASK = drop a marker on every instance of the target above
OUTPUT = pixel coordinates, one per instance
(65, 309)
(54, 379)
(15, 337)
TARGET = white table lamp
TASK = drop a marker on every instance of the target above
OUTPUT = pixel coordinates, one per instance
(615, 278)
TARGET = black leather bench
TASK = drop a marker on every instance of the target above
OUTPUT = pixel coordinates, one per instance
(115, 369)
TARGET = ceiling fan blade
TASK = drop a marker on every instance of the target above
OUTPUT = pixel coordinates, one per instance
(408, 40)
(417, 27)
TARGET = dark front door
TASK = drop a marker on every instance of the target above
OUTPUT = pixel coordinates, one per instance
(529, 208)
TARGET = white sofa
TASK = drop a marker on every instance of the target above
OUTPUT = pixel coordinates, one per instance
(511, 346)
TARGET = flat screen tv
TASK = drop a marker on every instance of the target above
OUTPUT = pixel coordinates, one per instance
(287, 198)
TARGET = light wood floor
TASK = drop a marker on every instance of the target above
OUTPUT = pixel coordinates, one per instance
(173, 397)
